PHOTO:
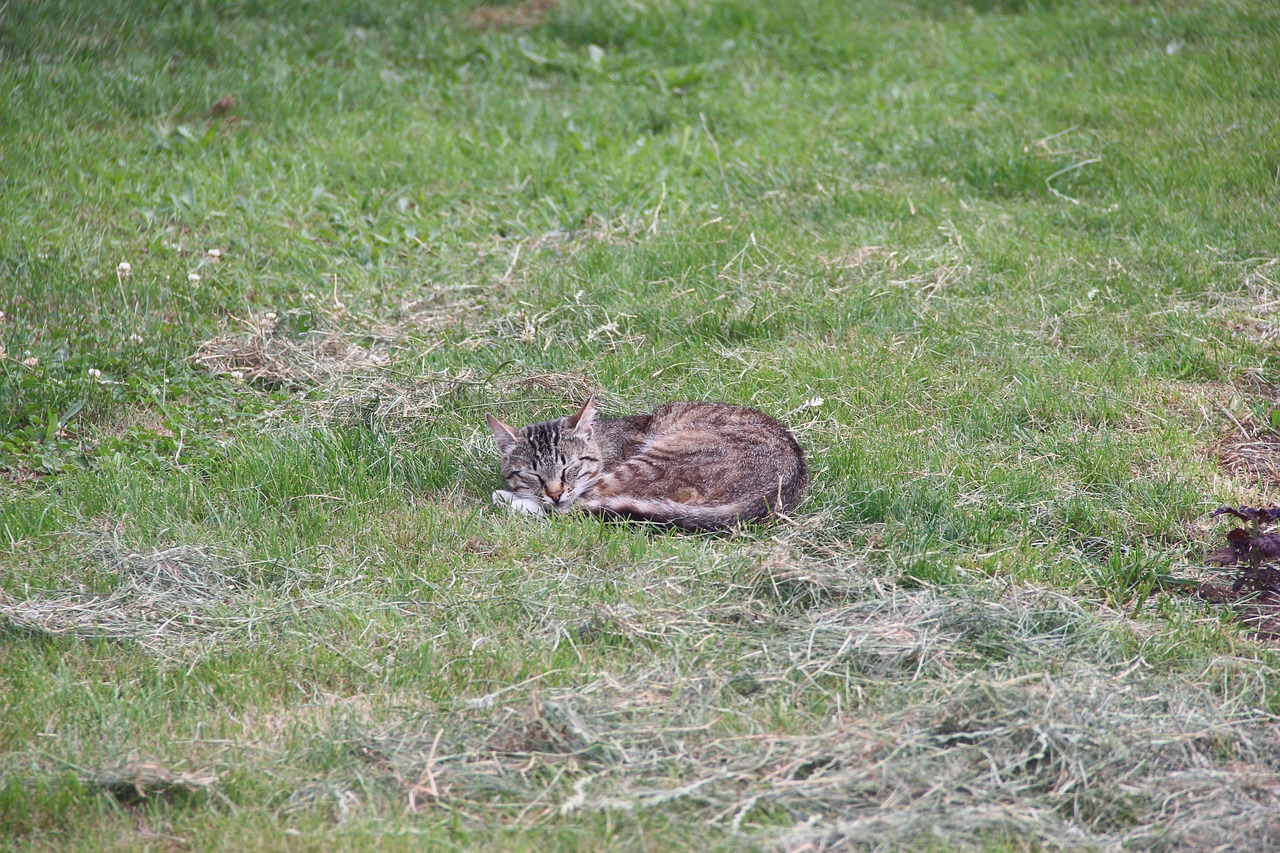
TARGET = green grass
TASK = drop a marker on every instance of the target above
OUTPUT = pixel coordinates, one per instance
(1008, 269)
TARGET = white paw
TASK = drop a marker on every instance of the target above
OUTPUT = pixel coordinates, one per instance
(517, 503)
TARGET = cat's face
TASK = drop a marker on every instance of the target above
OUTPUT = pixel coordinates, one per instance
(554, 462)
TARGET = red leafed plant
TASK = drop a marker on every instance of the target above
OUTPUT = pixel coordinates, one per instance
(1256, 552)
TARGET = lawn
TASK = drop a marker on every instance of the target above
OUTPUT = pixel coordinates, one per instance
(1010, 270)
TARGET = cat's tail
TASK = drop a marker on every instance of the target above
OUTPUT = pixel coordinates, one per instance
(696, 517)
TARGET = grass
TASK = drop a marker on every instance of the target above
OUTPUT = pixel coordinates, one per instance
(1008, 269)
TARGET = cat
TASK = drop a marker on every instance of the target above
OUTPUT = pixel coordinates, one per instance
(696, 466)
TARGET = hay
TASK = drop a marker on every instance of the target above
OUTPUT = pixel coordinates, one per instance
(138, 781)
(974, 716)
(299, 350)
(165, 599)
(524, 15)
(178, 603)
(1253, 309)
(348, 377)
(1251, 454)
(374, 377)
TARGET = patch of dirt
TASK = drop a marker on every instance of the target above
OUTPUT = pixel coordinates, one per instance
(222, 106)
(1252, 454)
(121, 423)
(530, 13)
(1259, 611)
(1252, 451)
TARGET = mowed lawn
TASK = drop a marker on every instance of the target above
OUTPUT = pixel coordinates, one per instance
(1009, 269)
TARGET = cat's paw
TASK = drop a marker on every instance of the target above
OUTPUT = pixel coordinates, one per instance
(517, 503)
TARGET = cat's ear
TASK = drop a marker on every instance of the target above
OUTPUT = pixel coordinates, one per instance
(504, 434)
(581, 420)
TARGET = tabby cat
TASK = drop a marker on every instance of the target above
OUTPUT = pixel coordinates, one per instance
(699, 466)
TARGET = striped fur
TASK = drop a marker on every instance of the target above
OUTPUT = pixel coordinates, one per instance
(698, 466)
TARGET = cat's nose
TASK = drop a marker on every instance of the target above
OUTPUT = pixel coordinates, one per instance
(554, 491)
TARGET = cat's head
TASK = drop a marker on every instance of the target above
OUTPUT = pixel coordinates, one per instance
(554, 462)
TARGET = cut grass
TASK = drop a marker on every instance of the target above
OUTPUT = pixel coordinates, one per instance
(1005, 268)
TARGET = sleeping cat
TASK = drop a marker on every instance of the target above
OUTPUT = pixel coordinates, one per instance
(699, 466)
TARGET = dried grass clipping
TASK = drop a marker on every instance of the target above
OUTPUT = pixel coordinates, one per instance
(287, 353)
(176, 603)
(530, 13)
(132, 783)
